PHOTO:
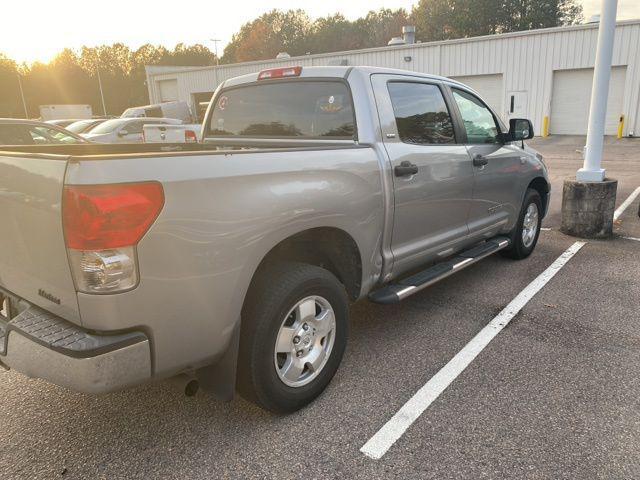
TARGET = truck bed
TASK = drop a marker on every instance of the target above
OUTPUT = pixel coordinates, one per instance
(225, 207)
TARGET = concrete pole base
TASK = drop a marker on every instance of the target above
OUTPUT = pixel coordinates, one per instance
(585, 175)
(587, 208)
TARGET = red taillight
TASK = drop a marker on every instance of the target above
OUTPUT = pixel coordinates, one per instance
(190, 136)
(280, 73)
(99, 217)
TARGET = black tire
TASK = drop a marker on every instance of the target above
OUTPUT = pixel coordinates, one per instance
(273, 294)
(518, 250)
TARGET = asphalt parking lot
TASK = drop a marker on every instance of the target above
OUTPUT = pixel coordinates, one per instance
(556, 394)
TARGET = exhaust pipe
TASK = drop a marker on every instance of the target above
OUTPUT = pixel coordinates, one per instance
(188, 384)
(409, 34)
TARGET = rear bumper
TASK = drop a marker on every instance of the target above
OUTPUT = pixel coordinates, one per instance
(39, 344)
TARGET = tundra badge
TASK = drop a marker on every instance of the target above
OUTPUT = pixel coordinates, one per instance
(48, 296)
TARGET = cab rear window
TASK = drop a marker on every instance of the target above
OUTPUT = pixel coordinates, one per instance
(312, 109)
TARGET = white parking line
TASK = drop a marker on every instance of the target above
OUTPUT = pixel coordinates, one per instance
(620, 210)
(378, 445)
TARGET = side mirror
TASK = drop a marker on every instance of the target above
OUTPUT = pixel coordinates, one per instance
(123, 133)
(520, 129)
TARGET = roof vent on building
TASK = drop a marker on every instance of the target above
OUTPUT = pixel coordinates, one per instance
(594, 18)
(409, 34)
(283, 55)
(396, 41)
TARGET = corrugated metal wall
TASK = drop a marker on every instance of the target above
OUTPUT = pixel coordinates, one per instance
(526, 61)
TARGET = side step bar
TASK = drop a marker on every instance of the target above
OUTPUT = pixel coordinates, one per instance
(400, 290)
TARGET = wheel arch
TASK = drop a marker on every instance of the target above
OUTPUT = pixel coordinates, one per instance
(541, 185)
(331, 248)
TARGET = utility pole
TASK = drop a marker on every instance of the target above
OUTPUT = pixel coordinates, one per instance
(215, 47)
(104, 108)
(592, 170)
(24, 102)
(588, 202)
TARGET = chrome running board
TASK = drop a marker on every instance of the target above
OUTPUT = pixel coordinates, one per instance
(394, 292)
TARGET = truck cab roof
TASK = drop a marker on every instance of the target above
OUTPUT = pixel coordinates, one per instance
(340, 72)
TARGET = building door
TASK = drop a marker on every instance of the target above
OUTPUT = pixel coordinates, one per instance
(168, 90)
(571, 96)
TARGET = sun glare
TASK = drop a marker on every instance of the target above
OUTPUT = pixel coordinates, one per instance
(31, 52)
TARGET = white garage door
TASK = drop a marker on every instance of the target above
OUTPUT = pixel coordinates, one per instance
(488, 86)
(571, 96)
(168, 90)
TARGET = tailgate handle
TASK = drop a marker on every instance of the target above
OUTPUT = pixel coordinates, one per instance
(405, 168)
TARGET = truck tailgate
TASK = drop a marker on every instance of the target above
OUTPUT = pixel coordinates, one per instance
(171, 133)
(33, 256)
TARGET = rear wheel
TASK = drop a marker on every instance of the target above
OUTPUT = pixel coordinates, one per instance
(525, 235)
(294, 332)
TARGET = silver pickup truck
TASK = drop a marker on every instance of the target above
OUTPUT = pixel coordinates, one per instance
(234, 260)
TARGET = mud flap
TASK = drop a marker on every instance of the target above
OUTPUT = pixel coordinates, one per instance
(220, 378)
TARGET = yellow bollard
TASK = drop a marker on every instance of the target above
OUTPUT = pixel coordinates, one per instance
(545, 126)
(621, 126)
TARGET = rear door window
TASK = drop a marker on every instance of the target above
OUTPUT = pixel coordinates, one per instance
(312, 109)
(421, 113)
(153, 112)
(134, 127)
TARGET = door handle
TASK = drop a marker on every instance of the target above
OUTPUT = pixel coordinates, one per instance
(405, 168)
(480, 160)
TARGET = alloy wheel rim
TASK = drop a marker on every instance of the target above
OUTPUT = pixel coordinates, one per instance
(530, 225)
(304, 341)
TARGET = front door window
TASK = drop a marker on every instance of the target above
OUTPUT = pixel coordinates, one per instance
(478, 120)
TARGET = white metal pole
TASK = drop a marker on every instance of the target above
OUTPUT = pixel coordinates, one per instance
(24, 102)
(215, 46)
(592, 170)
(104, 108)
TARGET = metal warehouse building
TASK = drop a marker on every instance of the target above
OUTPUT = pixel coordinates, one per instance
(544, 75)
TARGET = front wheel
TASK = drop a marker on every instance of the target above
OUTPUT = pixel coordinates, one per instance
(525, 235)
(293, 335)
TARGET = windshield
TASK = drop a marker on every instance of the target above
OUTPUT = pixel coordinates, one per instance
(318, 109)
(110, 125)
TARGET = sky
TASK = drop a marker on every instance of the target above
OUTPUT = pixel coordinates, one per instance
(37, 30)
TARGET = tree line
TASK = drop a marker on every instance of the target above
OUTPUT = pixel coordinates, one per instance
(295, 33)
(72, 76)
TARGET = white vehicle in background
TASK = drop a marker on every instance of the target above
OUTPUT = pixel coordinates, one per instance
(61, 112)
(63, 122)
(179, 110)
(154, 133)
(85, 126)
(125, 130)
